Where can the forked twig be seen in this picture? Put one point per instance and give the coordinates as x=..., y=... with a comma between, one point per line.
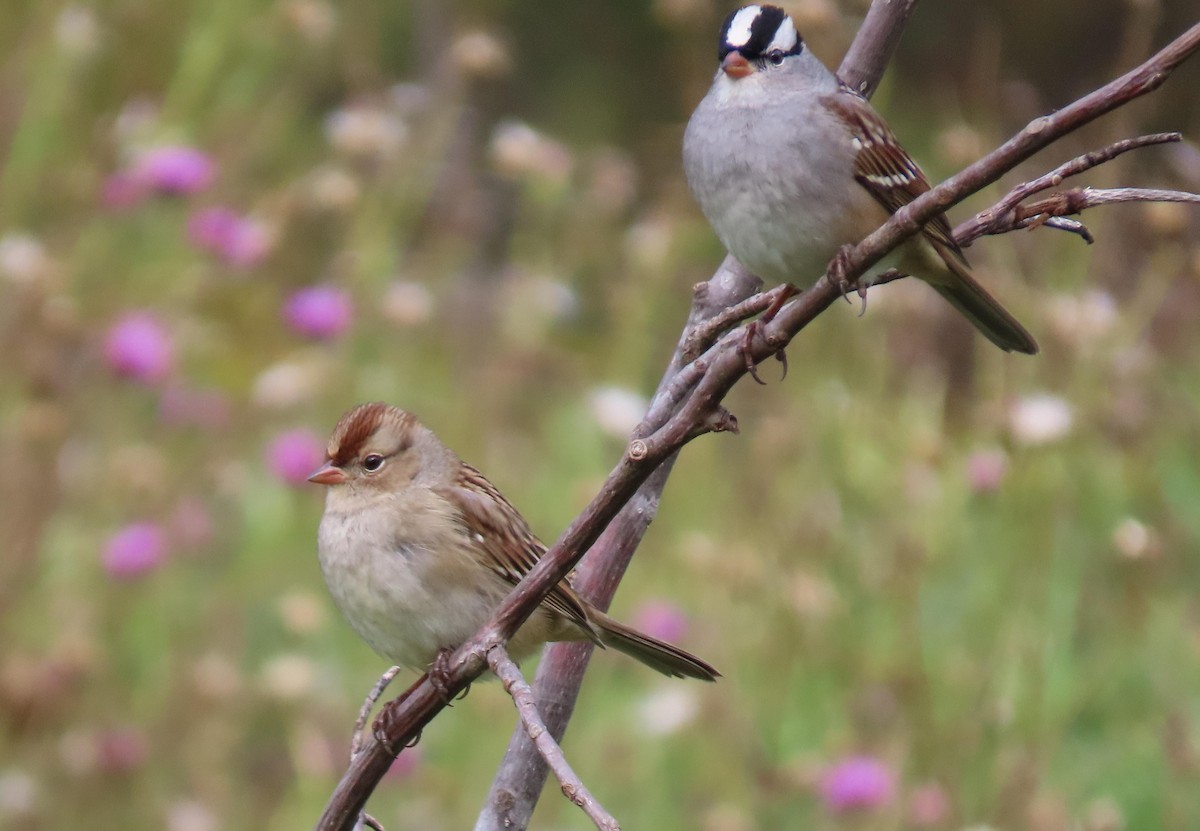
x=359, y=739
x=1008, y=214
x=523, y=698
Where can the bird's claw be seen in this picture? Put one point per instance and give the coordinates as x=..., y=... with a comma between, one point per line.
x=747, y=342
x=439, y=676
x=787, y=292
x=384, y=723
x=838, y=267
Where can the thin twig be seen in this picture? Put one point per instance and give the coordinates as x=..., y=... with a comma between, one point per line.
x=1068, y=202
x=358, y=740
x=523, y=698
x=725, y=364
x=998, y=219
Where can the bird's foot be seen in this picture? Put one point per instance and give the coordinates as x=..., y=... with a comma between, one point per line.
x=440, y=676
x=385, y=722
x=837, y=274
x=787, y=293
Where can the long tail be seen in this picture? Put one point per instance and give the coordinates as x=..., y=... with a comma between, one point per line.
x=964, y=293
x=667, y=659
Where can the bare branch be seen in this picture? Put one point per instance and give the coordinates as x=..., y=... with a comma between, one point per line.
x=522, y=696
x=724, y=364
x=876, y=41
x=1003, y=216
x=728, y=294
x=364, y=712
x=1037, y=134
x=518, y=782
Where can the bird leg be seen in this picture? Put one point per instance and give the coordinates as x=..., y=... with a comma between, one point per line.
x=789, y=291
x=439, y=675
x=383, y=723
x=837, y=274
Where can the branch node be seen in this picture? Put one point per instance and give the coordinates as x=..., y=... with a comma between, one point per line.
x=638, y=450
x=720, y=420
x=1038, y=125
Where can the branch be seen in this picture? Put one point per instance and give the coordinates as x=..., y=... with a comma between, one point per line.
x=1006, y=216
x=723, y=301
x=522, y=696
x=359, y=739
x=909, y=220
x=876, y=41
x=696, y=413
x=518, y=782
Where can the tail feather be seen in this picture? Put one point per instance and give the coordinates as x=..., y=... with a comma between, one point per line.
x=656, y=654
x=972, y=300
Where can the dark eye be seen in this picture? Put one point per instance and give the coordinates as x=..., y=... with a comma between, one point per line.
x=372, y=463
x=775, y=57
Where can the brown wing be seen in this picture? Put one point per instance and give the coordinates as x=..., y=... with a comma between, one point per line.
x=883, y=167
x=509, y=546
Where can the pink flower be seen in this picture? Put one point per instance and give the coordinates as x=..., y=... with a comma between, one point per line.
x=293, y=455
x=175, y=170
x=123, y=191
x=187, y=407
x=138, y=347
x=929, y=806
x=661, y=619
x=122, y=750
x=191, y=523
x=134, y=551
x=318, y=312
x=404, y=766
x=236, y=240
x=858, y=783
x=986, y=470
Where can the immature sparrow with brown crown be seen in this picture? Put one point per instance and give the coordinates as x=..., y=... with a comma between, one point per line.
x=418, y=549
x=789, y=165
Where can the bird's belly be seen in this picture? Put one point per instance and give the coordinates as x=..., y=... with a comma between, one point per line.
x=384, y=594
x=780, y=210
x=789, y=231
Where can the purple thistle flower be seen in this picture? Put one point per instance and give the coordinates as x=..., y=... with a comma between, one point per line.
x=661, y=619
x=294, y=455
x=236, y=240
x=123, y=191
x=181, y=406
x=175, y=170
x=858, y=783
x=138, y=347
x=929, y=806
x=122, y=750
x=986, y=470
x=134, y=551
x=318, y=312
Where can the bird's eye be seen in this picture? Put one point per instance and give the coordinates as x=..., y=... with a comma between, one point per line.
x=775, y=56
x=372, y=463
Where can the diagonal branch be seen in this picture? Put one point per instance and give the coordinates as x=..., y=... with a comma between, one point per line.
x=698, y=412
x=523, y=698
x=718, y=304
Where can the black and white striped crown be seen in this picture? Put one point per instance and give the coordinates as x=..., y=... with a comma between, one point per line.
x=757, y=31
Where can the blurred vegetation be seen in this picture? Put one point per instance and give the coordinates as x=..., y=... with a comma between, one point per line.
x=979, y=569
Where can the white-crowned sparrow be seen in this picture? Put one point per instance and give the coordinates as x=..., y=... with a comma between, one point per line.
x=418, y=549
x=789, y=164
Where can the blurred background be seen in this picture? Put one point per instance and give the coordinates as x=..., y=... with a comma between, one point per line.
x=948, y=588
